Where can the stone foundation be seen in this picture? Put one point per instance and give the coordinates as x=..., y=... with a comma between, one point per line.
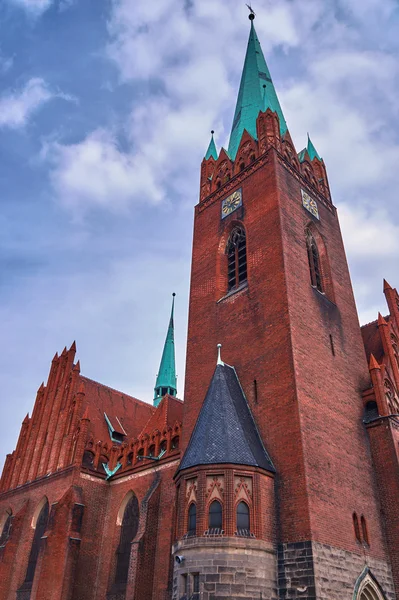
x=228, y=568
x=310, y=571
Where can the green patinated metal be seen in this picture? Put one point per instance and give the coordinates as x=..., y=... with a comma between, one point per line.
x=166, y=382
x=312, y=150
x=211, y=150
x=302, y=155
x=256, y=94
x=108, y=471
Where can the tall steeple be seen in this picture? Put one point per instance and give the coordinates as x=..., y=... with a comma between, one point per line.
x=256, y=94
x=166, y=378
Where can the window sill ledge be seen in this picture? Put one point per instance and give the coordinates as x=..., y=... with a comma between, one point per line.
x=240, y=288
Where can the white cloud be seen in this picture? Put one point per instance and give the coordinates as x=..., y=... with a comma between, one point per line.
x=34, y=7
x=16, y=107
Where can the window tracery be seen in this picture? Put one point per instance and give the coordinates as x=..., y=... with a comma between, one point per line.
x=236, y=251
x=314, y=262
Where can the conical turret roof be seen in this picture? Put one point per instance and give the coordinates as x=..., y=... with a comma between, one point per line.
x=256, y=94
x=166, y=378
x=225, y=432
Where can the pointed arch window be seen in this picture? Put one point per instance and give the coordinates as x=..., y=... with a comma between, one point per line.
x=356, y=527
x=192, y=519
x=129, y=527
x=236, y=251
x=314, y=263
x=243, y=522
x=40, y=529
x=215, y=520
x=5, y=530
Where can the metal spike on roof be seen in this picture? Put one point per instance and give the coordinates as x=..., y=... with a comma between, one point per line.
x=253, y=97
x=166, y=382
x=211, y=149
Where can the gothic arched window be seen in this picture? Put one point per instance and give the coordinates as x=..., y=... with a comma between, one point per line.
x=236, y=251
x=364, y=530
x=40, y=529
x=215, y=516
x=314, y=263
x=243, y=525
x=129, y=527
x=5, y=530
x=192, y=519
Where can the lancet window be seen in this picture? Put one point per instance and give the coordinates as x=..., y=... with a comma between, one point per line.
x=236, y=251
x=192, y=519
x=314, y=263
x=215, y=521
x=40, y=529
x=129, y=527
x=243, y=522
x=6, y=529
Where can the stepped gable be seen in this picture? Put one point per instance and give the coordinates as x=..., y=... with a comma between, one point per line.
x=226, y=432
x=132, y=413
x=169, y=411
x=372, y=340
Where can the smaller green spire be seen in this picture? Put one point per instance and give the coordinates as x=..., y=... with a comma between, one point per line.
x=312, y=150
x=166, y=382
x=211, y=149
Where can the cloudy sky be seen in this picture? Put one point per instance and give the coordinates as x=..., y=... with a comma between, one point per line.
x=105, y=113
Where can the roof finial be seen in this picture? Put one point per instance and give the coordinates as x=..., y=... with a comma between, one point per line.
x=251, y=13
x=219, y=361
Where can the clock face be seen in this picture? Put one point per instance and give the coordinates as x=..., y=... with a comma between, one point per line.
x=231, y=203
x=310, y=204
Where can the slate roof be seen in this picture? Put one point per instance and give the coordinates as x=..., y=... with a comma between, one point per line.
x=225, y=431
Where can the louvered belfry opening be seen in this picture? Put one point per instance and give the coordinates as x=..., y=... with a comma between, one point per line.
x=129, y=529
x=236, y=251
x=41, y=526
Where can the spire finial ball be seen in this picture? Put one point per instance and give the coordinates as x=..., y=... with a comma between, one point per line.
x=212, y=132
x=173, y=294
x=251, y=16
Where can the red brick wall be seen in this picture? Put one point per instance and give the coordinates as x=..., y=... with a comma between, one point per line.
x=309, y=408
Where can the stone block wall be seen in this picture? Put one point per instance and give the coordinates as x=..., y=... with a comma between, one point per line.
x=228, y=568
x=310, y=570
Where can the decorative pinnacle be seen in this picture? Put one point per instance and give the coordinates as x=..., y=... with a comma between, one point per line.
x=219, y=361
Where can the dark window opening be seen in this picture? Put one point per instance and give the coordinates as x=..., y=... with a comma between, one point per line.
x=252, y=157
x=236, y=258
x=356, y=527
x=196, y=585
x=41, y=526
x=129, y=460
x=314, y=264
x=163, y=446
x=215, y=520
x=218, y=184
x=5, y=534
x=140, y=453
x=255, y=391
x=242, y=166
x=364, y=530
x=175, y=442
x=151, y=450
x=243, y=524
x=371, y=411
x=332, y=345
x=103, y=461
x=129, y=529
x=88, y=459
x=192, y=519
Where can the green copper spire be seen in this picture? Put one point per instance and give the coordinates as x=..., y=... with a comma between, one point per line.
x=166, y=379
x=256, y=94
x=211, y=149
x=312, y=150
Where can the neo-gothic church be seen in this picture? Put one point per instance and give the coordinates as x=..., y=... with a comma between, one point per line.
x=278, y=476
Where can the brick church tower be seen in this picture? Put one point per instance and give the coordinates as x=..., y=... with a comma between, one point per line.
x=270, y=281
x=278, y=477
